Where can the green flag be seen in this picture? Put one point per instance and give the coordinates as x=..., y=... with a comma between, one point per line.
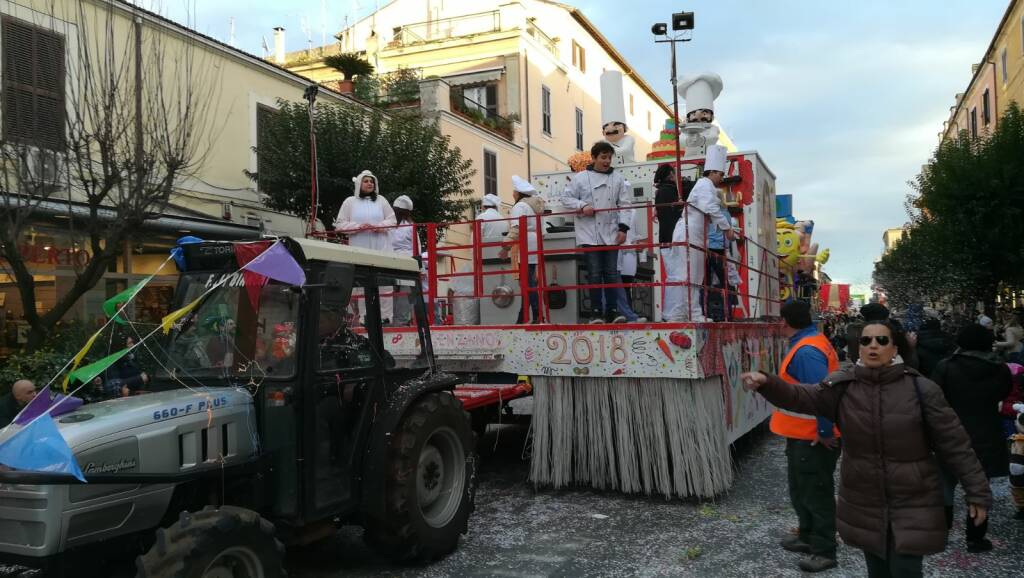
x=110, y=306
x=87, y=373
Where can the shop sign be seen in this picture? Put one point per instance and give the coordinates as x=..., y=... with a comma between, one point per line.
x=50, y=255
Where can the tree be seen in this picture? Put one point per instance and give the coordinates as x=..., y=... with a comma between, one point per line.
x=966, y=219
x=349, y=64
x=108, y=154
x=408, y=154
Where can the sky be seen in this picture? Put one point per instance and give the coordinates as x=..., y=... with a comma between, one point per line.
x=843, y=100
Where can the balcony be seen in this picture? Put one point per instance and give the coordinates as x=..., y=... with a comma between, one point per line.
x=446, y=29
x=484, y=115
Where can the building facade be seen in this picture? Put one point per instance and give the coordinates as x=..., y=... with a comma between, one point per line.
x=44, y=62
x=890, y=237
x=996, y=81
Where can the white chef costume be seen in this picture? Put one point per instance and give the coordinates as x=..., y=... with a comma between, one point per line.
x=492, y=226
x=369, y=210
x=401, y=243
x=613, y=109
x=687, y=264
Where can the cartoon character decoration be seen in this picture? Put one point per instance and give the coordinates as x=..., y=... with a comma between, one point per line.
x=797, y=254
x=613, y=118
x=700, y=91
x=284, y=340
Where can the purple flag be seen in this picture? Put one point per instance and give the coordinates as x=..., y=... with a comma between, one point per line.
x=278, y=264
x=41, y=402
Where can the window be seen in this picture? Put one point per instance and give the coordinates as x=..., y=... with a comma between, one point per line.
x=545, y=109
x=579, y=129
x=483, y=98
x=490, y=172
x=579, y=57
x=1002, y=62
x=648, y=120
x=631, y=105
x=263, y=115
x=974, y=122
x=986, y=111
x=33, y=84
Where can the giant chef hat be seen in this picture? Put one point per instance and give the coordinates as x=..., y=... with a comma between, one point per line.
x=716, y=158
x=613, y=109
x=699, y=91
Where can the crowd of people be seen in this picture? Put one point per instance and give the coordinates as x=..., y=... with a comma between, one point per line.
x=915, y=406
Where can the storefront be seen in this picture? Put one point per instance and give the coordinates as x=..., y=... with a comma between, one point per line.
x=55, y=256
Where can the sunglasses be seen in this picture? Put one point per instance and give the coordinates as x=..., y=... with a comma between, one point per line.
x=882, y=340
x=611, y=132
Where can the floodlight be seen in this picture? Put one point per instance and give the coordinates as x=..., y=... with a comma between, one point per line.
x=682, y=21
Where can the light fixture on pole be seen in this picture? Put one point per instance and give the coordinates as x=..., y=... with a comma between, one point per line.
x=681, y=21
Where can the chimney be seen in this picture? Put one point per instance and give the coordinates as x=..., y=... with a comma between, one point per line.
x=279, y=45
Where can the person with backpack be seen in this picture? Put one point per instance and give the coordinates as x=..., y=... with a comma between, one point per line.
x=897, y=427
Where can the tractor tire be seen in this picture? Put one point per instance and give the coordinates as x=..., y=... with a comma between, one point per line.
x=430, y=483
x=212, y=543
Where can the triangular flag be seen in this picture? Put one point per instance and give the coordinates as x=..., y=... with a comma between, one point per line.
x=110, y=306
x=171, y=318
x=79, y=357
x=39, y=447
x=278, y=264
x=254, y=282
x=87, y=373
x=42, y=402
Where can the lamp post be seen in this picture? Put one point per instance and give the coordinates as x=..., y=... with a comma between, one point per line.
x=681, y=22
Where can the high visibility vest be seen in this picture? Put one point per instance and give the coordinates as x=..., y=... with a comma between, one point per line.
x=795, y=425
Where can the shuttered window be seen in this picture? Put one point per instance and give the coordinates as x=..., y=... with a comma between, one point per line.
x=490, y=173
x=33, y=82
x=264, y=114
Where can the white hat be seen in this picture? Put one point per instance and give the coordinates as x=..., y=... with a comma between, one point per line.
x=613, y=109
x=700, y=91
x=523, y=186
x=403, y=202
x=491, y=201
x=985, y=321
x=716, y=158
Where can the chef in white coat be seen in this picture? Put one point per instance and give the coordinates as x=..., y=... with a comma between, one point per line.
x=492, y=225
x=687, y=264
x=529, y=205
x=402, y=243
x=364, y=218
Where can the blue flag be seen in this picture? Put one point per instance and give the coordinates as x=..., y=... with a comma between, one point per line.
x=39, y=447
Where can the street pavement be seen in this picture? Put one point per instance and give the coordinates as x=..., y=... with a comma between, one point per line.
x=520, y=531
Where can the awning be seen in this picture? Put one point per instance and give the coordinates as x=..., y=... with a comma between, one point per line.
x=475, y=77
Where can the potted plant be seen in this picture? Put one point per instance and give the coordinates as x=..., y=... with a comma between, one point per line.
x=350, y=65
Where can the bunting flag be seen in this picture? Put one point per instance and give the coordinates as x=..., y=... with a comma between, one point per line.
x=79, y=357
x=110, y=306
x=254, y=282
x=171, y=318
x=43, y=402
x=39, y=447
x=278, y=264
x=87, y=373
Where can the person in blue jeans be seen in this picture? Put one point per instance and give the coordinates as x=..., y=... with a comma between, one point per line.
x=602, y=202
x=716, y=270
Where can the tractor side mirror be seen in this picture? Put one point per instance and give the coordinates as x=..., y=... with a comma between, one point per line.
x=337, y=285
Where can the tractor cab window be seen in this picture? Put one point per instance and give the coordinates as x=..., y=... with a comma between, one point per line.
x=343, y=341
x=236, y=331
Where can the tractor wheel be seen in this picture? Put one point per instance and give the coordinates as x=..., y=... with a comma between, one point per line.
x=430, y=481
x=225, y=542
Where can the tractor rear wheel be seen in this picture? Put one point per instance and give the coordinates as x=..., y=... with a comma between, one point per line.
x=430, y=481
x=225, y=542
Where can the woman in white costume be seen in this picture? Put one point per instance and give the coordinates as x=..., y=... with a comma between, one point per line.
x=364, y=218
x=402, y=244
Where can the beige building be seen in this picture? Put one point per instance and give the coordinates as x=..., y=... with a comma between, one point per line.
x=996, y=80
x=216, y=200
x=891, y=236
x=532, y=67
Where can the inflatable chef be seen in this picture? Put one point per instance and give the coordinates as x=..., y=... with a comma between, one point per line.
x=613, y=118
x=699, y=92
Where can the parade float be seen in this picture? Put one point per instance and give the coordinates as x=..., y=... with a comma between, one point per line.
x=799, y=257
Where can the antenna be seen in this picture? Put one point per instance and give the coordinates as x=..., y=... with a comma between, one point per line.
x=266, y=47
x=304, y=23
x=231, y=30
x=323, y=23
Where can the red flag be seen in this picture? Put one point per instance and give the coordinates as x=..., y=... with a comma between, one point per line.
x=254, y=282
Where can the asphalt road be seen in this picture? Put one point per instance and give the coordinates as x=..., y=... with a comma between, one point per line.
x=520, y=531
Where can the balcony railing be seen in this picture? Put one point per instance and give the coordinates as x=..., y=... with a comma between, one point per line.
x=446, y=28
x=480, y=115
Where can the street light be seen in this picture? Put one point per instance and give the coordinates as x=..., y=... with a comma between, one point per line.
x=681, y=21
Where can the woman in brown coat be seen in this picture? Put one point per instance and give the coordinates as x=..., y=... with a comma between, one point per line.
x=896, y=426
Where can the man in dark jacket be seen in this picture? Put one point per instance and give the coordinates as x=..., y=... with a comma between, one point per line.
x=11, y=404
x=975, y=381
x=933, y=345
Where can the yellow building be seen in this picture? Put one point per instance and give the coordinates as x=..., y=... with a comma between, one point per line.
x=216, y=200
x=996, y=80
x=531, y=65
x=891, y=236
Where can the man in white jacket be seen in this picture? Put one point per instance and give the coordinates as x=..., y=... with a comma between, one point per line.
x=591, y=192
x=492, y=225
x=687, y=263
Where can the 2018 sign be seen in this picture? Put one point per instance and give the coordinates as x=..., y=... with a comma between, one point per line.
x=580, y=349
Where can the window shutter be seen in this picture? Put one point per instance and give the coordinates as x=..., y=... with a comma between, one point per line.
x=34, y=75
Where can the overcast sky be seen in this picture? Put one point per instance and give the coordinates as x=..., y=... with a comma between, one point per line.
x=844, y=100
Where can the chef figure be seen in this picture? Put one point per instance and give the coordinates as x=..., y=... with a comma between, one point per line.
x=686, y=263
x=700, y=91
x=613, y=118
x=492, y=224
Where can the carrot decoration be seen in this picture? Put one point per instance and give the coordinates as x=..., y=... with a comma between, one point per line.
x=664, y=349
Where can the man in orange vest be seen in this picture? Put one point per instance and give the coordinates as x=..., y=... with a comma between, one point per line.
x=812, y=447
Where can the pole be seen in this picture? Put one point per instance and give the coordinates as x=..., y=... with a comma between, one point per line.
x=310, y=95
x=676, y=121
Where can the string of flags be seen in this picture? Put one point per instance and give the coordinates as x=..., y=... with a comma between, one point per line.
x=37, y=445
